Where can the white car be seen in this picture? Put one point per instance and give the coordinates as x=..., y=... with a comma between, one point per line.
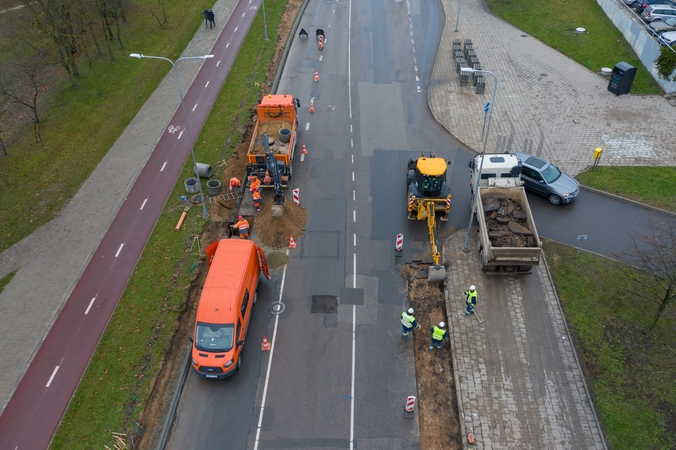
x=668, y=38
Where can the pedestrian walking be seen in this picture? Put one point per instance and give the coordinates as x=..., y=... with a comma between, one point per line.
x=242, y=227
x=257, y=199
x=205, y=13
x=235, y=183
x=438, y=335
x=471, y=300
x=408, y=322
x=211, y=18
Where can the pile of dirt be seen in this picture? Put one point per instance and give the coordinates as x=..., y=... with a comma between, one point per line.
x=437, y=404
x=506, y=222
x=275, y=231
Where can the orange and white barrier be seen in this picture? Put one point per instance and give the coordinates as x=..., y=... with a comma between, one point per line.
x=296, y=196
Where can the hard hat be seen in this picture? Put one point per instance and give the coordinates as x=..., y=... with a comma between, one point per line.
x=472, y=288
x=410, y=310
x=240, y=217
x=441, y=324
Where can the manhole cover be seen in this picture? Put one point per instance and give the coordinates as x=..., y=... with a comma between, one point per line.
x=324, y=304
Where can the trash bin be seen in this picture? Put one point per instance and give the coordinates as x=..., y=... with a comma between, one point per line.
x=621, y=78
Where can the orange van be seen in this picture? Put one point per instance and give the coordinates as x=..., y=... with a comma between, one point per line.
x=224, y=309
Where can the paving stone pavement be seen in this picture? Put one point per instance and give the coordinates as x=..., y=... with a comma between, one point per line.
x=518, y=380
x=546, y=104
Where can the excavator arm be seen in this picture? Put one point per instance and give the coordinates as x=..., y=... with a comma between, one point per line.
x=437, y=272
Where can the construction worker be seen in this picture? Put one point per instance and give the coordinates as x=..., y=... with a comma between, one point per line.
x=438, y=335
x=255, y=184
x=242, y=227
x=257, y=199
x=408, y=322
x=471, y=300
x=235, y=183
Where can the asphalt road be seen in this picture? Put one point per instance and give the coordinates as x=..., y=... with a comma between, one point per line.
x=340, y=373
x=35, y=410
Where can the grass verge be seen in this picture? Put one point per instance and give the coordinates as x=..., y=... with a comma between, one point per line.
x=118, y=380
x=4, y=281
x=631, y=374
x=554, y=23
x=654, y=186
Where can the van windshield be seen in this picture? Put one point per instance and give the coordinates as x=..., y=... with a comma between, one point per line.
x=212, y=337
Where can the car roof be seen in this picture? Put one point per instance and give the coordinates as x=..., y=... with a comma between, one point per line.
x=532, y=161
x=669, y=35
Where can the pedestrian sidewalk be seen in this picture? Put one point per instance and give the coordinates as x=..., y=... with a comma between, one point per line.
x=52, y=259
x=518, y=380
x=546, y=104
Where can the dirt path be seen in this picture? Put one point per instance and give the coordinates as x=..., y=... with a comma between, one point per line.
x=437, y=404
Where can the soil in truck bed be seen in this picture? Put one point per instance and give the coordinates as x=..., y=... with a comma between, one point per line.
x=506, y=222
x=272, y=128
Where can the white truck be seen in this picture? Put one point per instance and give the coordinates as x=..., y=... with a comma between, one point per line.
x=507, y=240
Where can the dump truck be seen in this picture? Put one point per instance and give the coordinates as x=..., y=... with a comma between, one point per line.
x=507, y=240
x=276, y=116
x=429, y=194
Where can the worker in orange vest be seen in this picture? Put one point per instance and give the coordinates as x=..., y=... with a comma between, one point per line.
x=235, y=183
x=242, y=227
x=257, y=199
x=255, y=184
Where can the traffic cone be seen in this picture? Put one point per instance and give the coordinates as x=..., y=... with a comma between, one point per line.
x=304, y=150
x=265, y=345
x=292, y=243
x=316, y=75
x=312, y=105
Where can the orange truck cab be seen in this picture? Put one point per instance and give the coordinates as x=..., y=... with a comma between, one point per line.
x=225, y=306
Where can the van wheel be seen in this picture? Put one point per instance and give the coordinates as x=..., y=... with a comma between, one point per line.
x=239, y=360
x=255, y=297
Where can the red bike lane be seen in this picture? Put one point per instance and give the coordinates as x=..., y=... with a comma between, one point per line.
x=33, y=413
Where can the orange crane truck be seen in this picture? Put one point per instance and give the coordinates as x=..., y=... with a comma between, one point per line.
x=276, y=117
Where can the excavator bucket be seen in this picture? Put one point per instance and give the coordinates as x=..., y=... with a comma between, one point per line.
x=436, y=273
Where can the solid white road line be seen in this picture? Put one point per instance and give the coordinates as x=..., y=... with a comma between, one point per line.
x=307, y=126
x=119, y=250
x=272, y=352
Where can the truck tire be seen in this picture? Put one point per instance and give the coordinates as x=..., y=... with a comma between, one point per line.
x=481, y=260
x=525, y=269
x=478, y=241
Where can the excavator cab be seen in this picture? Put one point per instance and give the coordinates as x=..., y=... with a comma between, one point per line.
x=427, y=177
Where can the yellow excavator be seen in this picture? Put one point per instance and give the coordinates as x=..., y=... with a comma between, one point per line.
x=428, y=194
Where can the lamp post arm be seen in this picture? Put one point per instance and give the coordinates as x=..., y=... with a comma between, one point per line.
x=185, y=116
x=483, y=155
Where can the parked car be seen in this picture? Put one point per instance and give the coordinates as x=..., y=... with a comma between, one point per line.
x=668, y=38
x=658, y=12
x=544, y=178
x=661, y=26
x=641, y=5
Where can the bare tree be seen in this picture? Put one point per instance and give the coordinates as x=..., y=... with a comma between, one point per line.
x=654, y=253
x=57, y=20
x=24, y=85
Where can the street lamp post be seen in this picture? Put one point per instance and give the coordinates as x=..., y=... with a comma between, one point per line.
x=185, y=117
x=483, y=152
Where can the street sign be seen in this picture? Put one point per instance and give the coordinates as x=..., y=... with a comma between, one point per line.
x=582, y=237
x=486, y=107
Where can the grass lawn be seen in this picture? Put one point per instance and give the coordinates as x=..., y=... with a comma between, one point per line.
x=655, y=186
x=554, y=23
x=632, y=375
x=116, y=385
